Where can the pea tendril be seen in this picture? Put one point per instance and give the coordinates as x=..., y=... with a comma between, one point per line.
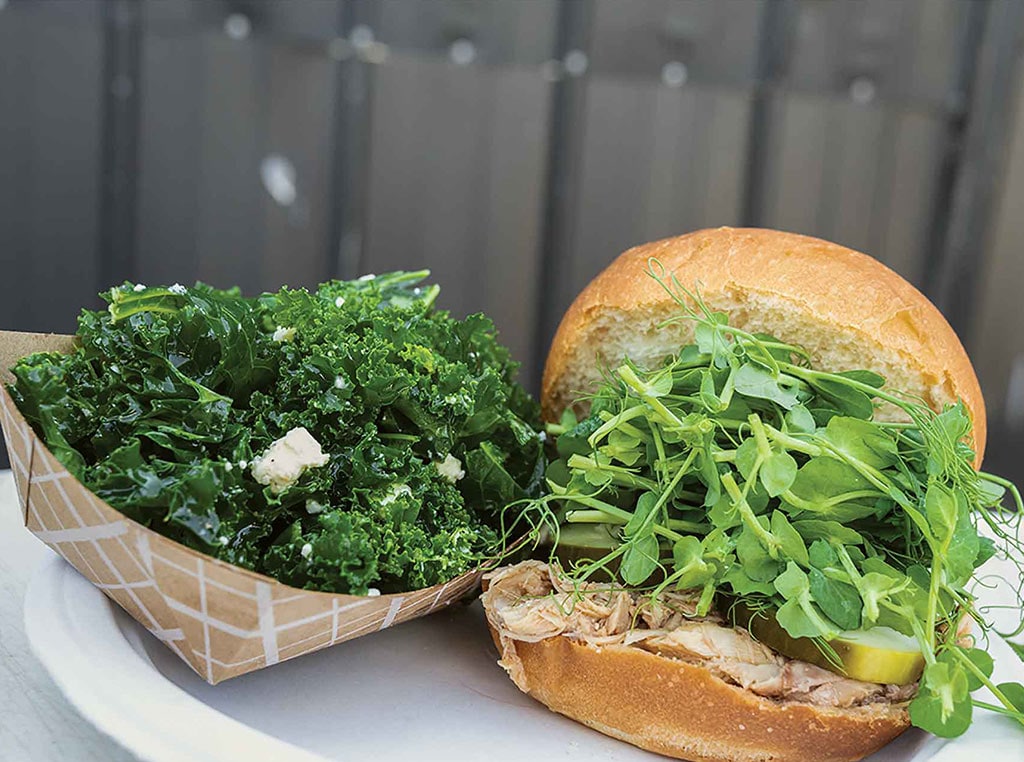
x=737, y=469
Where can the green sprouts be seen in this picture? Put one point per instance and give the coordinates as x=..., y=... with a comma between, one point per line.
x=737, y=470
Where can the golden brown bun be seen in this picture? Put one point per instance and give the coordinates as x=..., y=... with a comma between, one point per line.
x=847, y=310
x=681, y=710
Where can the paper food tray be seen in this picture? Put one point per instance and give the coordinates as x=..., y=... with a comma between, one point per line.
x=220, y=619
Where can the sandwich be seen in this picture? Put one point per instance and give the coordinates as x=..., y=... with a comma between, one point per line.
x=765, y=517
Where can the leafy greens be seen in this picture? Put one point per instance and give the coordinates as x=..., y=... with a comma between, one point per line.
x=173, y=392
x=739, y=470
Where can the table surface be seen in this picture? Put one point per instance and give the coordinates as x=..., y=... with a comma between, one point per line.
x=37, y=724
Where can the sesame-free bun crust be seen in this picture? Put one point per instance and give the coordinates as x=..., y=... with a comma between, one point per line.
x=681, y=710
x=846, y=309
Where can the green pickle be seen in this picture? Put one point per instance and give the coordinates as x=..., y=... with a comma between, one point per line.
x=586, y=542
x=878, y=655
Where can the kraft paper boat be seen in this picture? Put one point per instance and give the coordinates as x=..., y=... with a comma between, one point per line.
x=220, y=619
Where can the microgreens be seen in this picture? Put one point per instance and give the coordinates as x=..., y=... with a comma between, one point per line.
x=737, y=469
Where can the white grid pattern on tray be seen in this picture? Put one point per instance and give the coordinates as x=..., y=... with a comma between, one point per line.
x=92, y=534
x=173, y=591
x=18, y=439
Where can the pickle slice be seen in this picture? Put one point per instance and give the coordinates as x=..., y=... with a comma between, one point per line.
x=586, y=542
x=878, y=655
x=582, y=543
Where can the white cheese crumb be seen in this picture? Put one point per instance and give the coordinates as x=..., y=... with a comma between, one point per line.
x=313, y=507
x=229, y=466
x=450, y=468
x=372, y=592
x=339, y=301
x=340, y=382
x=287, y=459
x=542, y=436
x=243, y=464
x=396, y=491
x=178, y=289
x=224, y=540
x=283, y=334
x=368, y=276
x=139, y=287
x=307, y=550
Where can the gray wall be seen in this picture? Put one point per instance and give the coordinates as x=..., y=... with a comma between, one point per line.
x=512, y=147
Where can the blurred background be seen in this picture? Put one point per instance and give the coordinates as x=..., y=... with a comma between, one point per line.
x=514, y=147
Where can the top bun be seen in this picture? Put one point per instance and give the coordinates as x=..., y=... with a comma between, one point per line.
x=846, y=309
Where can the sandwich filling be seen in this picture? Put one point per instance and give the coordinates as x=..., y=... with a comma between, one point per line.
x=533, y=601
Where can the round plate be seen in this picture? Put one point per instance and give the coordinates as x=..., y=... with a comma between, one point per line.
x=429, y=689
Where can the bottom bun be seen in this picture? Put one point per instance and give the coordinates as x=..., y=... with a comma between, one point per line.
x=681, y=710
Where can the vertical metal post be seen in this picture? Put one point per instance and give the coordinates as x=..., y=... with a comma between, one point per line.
x=990, y=63
x=352, y=136
x=958, y=102
x=773, y=43
x=568, y=98
x=120, y=138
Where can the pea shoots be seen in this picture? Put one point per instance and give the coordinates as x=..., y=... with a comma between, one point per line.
x=738, y=469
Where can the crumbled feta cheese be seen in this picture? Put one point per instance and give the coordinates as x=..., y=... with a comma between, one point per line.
x=368, y=276
x=243, y=464
x=307, y=550
x=372, y=592
x=139, y=287
x=229, y=466
x=340, y=382
x=542, y=436
x=313, y=507
x=224, y=540
x=394, y=492
x=339, y=301
x=287, y=459
x=178, y=289
x=283, y=334
x=450, y=468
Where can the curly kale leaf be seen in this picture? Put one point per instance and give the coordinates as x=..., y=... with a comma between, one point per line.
x=173, y=392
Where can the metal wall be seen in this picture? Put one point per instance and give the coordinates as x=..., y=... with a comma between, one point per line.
x=512, y=147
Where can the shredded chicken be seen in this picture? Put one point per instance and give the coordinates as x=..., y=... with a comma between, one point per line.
x=531, y=602
x=762, y=679
x=899, y=693
x=709, y=641
x=806, y=682
x=533, y=605
x=668, y=611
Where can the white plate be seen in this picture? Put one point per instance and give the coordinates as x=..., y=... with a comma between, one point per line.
x=426, y=690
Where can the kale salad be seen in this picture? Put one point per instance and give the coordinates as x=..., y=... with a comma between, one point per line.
x=353, y=440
